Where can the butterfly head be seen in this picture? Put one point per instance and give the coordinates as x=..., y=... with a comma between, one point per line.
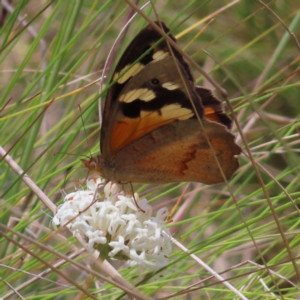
x=93, y=164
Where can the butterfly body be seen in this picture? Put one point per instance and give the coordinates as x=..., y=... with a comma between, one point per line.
x=158, y=126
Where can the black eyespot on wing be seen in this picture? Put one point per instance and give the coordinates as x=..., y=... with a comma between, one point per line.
x=208, y=168
x=131, y=110
x=155, y=81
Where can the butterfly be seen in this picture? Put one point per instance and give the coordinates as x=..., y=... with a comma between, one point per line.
x=158, y=125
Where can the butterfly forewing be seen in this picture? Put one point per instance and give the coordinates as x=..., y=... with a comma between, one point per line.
x=157, y=96
x=150, y=45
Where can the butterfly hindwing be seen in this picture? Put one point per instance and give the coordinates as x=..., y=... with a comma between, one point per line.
x=177, y=152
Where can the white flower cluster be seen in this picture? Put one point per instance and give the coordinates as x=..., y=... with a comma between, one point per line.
x=111, y=222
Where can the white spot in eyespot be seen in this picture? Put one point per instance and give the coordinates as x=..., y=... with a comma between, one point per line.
x=170, y=86
x=208, y=168
x=141, y=94
x=130, y=71
x=160, y=55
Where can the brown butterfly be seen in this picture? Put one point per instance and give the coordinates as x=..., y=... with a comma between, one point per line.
x=158, y=126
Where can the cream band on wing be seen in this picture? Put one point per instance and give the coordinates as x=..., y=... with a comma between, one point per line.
x=160, y=54
x=129, y=71
x=138, y=94
x=170, y=86
x=175, y=112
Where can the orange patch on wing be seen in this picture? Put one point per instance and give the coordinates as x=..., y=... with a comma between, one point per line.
x=211, y=115
x=122, y=133
x=127, y=130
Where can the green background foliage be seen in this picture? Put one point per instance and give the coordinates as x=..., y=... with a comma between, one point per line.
x=52, y=57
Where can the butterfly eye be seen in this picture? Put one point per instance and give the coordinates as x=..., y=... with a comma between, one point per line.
x=93, y=165
x=155, y=81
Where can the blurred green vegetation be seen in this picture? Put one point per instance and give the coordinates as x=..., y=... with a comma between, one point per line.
x=52, y=57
